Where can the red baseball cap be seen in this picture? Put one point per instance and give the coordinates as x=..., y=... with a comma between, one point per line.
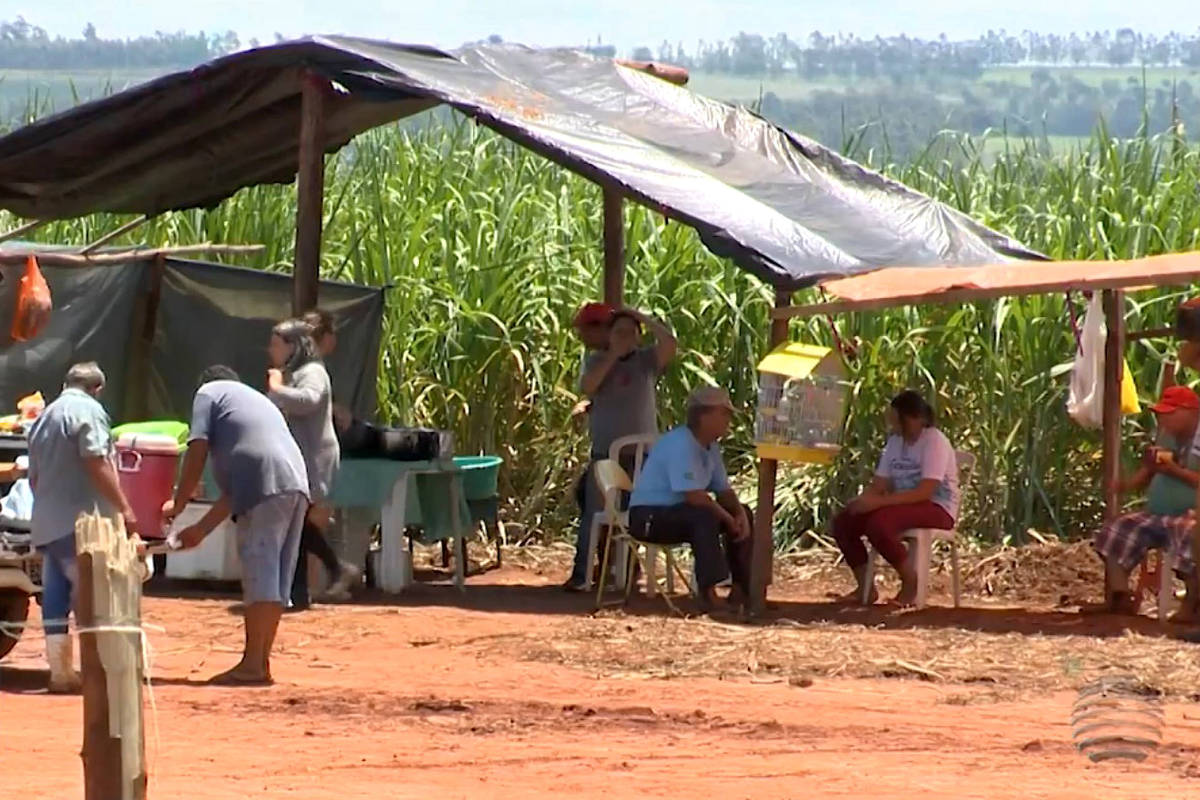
x=1176, y=398
x=594, y=314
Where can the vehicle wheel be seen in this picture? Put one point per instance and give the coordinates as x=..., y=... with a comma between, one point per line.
x=14, y=609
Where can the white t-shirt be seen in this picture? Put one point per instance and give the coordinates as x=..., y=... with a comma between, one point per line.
x=931, y=457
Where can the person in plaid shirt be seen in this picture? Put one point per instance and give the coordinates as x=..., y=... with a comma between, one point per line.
x=1169, y=475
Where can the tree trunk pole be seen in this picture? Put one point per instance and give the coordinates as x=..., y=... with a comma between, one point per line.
x=113, y=741
x=614, y=248
x=310, y=192
x=762, y=567
x=1114, y=364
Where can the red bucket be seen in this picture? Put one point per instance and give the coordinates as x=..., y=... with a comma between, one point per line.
x=146, y=467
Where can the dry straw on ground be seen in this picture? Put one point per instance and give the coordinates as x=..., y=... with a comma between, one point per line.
x=1014, y=637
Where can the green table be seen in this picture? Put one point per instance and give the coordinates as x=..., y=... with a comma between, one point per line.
x=400, y=495
x=369, y=484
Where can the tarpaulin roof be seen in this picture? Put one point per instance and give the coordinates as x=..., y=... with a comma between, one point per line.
x=778, y=204
x=905, y=286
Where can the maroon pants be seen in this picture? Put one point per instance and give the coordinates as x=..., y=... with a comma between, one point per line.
x=882, y=528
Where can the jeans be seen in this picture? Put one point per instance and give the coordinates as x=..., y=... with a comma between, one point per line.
x=702, y=529
x=60, y=575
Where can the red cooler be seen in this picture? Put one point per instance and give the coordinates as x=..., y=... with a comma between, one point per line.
x=147, y=466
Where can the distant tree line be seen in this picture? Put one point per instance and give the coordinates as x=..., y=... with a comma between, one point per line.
x=901, y=121
x=900, y=57
x=26, y=46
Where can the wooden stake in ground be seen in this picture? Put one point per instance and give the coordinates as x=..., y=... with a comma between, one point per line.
x=108, y=613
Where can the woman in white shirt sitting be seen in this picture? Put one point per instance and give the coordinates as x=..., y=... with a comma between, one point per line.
x=915, y=486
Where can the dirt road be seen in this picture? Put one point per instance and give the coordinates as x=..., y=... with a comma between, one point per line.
x=422, y=700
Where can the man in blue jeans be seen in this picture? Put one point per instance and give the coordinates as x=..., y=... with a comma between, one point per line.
x=70, y=473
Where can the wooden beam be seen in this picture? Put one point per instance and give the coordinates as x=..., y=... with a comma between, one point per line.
x=310, y=193
x=1150, y=333
x=1114, y=360
x=762, y=567
x=22, y=229
x=52, y=258
x=972, y=295
x=667, y=72
x=614, y=248
x=108, y=237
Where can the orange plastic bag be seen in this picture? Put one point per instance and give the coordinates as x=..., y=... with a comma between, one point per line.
x=33, y=303
x=31, y=407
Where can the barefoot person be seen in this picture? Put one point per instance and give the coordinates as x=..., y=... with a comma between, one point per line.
x=915, y=486
x=1168, y=474
x=620, y=382
x=70, y=474
x=299, y=384
x=264, y=484
x=683, y=496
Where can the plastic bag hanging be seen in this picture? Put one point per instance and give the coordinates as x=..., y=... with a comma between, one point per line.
x=33, y=303
x=1085, y=398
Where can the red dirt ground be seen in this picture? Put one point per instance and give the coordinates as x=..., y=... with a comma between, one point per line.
x=410, y=700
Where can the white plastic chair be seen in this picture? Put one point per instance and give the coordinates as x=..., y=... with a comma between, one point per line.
x=1168, y=561
x=613, y=481
x=641, y=445
x=921, y=551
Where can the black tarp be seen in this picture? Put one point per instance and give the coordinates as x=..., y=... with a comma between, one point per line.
x=207, y=313
x=778, y=204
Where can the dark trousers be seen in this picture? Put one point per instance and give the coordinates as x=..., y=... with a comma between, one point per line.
x=312, y=541
x=883, y=528
x=702, y=529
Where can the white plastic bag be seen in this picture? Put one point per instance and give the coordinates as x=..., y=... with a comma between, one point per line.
x=1085, y=399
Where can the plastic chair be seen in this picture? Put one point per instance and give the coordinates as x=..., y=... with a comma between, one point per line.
x=613, y=481
x=641, y=445
x=1160, y=581
x=921, y=551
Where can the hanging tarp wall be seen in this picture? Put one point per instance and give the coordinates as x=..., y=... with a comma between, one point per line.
x=205, y=314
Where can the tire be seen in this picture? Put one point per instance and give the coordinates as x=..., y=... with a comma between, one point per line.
x=14, y=609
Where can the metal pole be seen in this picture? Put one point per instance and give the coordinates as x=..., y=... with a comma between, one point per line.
x=310, y=180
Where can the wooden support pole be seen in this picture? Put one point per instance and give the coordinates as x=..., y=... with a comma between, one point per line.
x=108, y=595
x=310, y=193
x=1114, y=360
x=762, y=567
x=614, y=248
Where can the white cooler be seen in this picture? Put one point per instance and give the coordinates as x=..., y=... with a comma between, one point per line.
x=216, y=558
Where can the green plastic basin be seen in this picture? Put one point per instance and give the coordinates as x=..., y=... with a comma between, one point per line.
x=480, y=475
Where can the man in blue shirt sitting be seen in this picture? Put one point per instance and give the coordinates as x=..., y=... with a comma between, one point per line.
x=673, y=499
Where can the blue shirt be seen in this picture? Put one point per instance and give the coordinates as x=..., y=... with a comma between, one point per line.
x=678, y=464
x=252, y=452
x=73, y=428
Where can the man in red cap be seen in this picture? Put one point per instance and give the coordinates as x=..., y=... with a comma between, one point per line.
x=619, y=377
x=1169, y=474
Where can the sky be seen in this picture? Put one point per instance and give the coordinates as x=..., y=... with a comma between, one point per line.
x=625, y=23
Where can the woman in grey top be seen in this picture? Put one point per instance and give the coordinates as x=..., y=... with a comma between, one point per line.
x=299, y=384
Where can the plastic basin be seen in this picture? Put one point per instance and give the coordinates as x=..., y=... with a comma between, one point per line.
x=479, y=475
